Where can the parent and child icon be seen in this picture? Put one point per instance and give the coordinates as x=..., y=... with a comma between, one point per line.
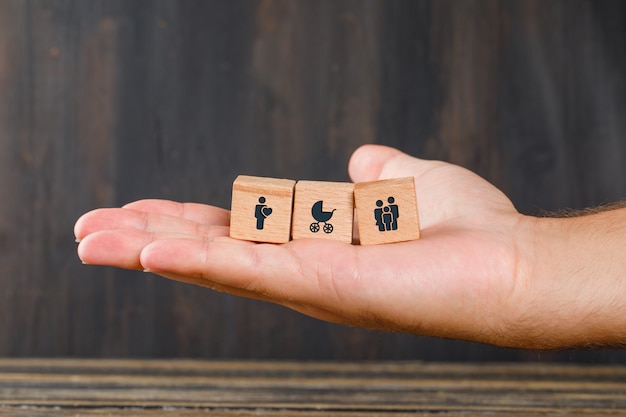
x=386, y=217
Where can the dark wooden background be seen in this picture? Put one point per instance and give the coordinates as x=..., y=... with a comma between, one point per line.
x=108, y=101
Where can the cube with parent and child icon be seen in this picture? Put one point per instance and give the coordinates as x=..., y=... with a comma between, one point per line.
x=277, y=210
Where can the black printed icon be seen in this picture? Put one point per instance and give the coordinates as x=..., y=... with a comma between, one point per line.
x=261, y=212
x=321, y=217
x=386, y=217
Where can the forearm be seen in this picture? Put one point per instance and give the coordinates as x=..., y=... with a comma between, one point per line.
x=576, y=274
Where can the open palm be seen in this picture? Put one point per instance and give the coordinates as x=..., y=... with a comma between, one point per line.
x=460, y=280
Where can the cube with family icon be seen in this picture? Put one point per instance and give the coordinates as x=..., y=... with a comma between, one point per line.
x=276, y=210
x=261, y=209
x=386, y=211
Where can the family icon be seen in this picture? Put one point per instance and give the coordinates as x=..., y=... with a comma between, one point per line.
x=386, y=217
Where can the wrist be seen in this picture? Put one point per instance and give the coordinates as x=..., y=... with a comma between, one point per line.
x=572, y=280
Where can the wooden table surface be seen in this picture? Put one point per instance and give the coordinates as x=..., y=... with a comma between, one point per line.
x=53, y=387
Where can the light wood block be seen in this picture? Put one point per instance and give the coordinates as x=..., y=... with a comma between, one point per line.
x=386, y=211
x=324, y=210
x=261, y=209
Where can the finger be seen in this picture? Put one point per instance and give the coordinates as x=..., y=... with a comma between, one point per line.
x=111, y=248
x=282, y=272
x=120, y=219
x=429, y=287
x=374, y=162
x=324, y=277
x=121, y=248
x=200, y=213
x=368, y=162
x=445, y=192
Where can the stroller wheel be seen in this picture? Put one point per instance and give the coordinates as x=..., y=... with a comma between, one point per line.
x=315, y=227
x=328, y=228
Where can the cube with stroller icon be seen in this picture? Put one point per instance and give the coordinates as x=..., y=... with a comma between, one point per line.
x=323, y=209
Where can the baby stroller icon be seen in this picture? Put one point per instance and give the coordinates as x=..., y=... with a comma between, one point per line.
x=321, y=217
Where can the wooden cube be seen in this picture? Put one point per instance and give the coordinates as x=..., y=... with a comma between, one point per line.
x=386, y=211
x=323, y=210
x=261, y=209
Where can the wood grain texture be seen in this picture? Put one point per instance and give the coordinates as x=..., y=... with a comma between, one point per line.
x=71, y=387
x=386, y=211
x=335, y=217
x=107, y=101
x=261, y=209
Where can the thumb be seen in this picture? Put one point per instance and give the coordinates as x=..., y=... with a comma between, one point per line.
x=374, y=162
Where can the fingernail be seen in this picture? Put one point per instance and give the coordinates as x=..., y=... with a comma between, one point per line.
x=77, y=240
x=147, y=270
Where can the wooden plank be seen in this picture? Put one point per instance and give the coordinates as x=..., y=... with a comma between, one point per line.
x=107, y=101
x=395, y=369
x=309, y=388
x=82, y=412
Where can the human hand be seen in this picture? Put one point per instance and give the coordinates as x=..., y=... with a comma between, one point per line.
x=472, y=275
